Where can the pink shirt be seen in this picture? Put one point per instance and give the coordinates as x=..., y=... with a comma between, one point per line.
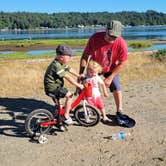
x=108, y=55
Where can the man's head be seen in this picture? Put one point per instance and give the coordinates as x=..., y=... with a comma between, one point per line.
x=114, y=28
x=63, y=53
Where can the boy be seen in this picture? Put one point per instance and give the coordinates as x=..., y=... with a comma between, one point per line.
x=54, y=79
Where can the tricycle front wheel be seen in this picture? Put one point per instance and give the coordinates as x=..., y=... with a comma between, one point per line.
x=91, y=119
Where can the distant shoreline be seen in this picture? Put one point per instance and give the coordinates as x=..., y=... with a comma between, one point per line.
x=14, y=47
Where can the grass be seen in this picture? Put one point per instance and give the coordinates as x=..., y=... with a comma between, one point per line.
x=139, y=44
x=142, y=67
x=160, y=55
x=25, y=77
x=21, y=76
x=71, y=42
x=27, y=43
x=79, y=42
x=38, y=43
x=23, y=55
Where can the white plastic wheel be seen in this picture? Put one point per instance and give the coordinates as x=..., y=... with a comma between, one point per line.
x=62, y=128
x=42, y=139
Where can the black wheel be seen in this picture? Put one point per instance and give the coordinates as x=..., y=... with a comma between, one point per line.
x=34, y=119
x=92, y=118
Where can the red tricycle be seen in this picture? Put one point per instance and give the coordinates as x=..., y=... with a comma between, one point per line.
x=41, y=121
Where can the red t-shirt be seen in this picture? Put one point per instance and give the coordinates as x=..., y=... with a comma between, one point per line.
x=108, y=55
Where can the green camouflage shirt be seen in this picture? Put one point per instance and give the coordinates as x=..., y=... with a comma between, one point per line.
x=54, y=76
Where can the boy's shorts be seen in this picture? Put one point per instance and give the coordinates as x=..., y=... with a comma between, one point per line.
x=115, y=84
x=58, y=93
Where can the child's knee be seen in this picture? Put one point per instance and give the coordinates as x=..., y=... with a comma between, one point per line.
x=69, y=95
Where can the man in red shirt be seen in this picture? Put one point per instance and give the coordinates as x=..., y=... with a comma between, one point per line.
x=109, y=49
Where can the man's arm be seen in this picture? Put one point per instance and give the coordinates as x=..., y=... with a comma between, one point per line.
x=83, y=63
x=86, y=55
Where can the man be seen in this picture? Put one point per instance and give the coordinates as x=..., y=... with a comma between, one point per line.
x=109, y=49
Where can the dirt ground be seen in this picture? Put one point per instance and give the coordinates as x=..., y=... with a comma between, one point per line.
x=80, y=146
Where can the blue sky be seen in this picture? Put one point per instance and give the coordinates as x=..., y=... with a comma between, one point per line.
x=54, y=6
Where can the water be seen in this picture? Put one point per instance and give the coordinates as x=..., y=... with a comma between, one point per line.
x=46, y=34
x=145, y=33
x=6, y=52
x=38, y=52
x=129, y=33
x=156, y=47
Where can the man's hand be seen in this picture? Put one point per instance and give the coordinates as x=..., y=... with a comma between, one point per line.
x=108, y=81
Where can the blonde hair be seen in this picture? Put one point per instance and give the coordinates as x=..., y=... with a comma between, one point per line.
x=93, y=65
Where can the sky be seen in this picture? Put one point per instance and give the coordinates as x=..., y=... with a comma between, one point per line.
x=56, y=6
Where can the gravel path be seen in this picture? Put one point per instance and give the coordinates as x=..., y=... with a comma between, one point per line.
x=80, y=146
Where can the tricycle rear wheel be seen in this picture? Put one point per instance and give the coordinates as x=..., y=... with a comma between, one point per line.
x=33, y=122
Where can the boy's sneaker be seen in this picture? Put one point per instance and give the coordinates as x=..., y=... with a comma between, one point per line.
x=69, y=121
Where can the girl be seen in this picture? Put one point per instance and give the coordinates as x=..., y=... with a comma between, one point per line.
x=97, y=83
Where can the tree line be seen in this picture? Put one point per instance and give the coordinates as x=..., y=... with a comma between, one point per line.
x=28, y=20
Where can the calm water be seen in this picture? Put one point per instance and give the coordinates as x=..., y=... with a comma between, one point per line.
x=129, y=33
x=37, y=52
x=145, y=33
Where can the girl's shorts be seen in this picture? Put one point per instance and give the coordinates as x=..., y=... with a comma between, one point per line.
x=97, y=102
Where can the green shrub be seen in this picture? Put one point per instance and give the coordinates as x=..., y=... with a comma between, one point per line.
x=160, y=55
x=139, y=44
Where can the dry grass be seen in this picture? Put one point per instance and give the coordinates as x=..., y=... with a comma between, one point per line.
x=21, y=77
x=25, y=77
x=142, y=66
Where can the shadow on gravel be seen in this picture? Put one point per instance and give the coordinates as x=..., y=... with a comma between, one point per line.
x=13, y=112
x=112, y=121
